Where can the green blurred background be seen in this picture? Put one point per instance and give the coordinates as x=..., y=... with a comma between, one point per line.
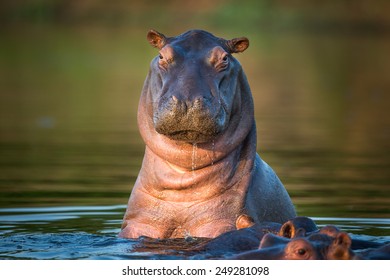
x=71, y=72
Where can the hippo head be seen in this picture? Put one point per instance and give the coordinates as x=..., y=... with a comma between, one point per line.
x=280, y=248
x=193, y=84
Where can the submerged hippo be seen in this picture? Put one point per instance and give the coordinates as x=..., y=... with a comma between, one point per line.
x=297, y=239
x=200, y=169
x=232, y=242
x=320, y=245
x=249, y=235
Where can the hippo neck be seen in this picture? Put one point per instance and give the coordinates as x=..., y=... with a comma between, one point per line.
x=204, y=168
x=165, y=180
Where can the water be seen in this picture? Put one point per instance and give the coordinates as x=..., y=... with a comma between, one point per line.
x=90, y=232
x=70, y=150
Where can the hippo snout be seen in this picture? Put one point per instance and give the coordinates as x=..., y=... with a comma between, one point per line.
x=193, y=120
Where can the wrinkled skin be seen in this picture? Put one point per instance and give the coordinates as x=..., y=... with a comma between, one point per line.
x=200, y=169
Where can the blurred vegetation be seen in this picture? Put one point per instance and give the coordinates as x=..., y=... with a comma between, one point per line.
x=331, y=15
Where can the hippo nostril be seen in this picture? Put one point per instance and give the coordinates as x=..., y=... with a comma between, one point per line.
x=178, y=105
x=197, y=102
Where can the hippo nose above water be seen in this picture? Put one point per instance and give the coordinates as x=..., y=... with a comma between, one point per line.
x=197, y=119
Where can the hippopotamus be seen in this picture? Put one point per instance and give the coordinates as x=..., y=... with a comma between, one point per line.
x=200, y=169
x=320, y=245
x=296, y=227
x=297, y=239
x=300, y=239
x=248, y=237
x=381, y=253
x=245, y=238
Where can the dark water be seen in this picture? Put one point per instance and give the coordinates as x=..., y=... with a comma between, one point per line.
x=70, y=149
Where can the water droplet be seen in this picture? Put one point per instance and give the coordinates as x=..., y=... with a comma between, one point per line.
x=194, y=149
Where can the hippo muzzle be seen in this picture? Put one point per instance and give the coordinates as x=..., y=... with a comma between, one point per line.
x=195, y=121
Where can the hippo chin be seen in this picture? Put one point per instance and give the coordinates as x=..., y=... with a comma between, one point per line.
x=200, y=169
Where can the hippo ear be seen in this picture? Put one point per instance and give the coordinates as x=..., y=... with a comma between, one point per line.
x=237, y=45
x=244, y=221
x=341, y=247
x=343, y=239
x=156, y=39
x=287, y=230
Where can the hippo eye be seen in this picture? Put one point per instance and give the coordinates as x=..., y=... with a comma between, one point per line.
x=163, y=62
x=225, y=60
x=222, y=63
x=301, y=252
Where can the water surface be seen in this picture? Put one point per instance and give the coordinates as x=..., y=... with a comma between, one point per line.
x=90, y=232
